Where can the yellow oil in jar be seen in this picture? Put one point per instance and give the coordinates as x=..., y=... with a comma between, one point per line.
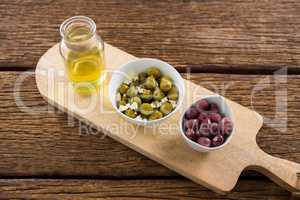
x=85, y=66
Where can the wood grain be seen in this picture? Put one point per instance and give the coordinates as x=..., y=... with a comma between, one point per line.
x=229, y=36
x=43, y=144
x=133, y=189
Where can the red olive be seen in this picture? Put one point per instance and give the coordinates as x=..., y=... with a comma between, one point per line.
x=202, y=105
x=191, y=124
x=204, y=141
x=215, y=117
x=206, y=120
x=226, y=120
x=203, y=116
x=214, y=108
x=191, y=113
x=205, y=125
x=214, y=129
x=204, y=129
x=217, y=140
x=191, y=134
x=226, y=126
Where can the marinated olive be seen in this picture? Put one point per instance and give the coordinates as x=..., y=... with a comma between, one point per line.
x=173, y=93
x=215, y=117
x=124, y=98
x=203, y=117
x=204, y=129
x=123, y=88
x=214, y=129
x=142, y=76
x=202, y=105
x=166, y=108
x=191, y=113
x=217, y=140
x=192, y=124
x=136, y=99
x=146, y=109
x=226, y=120
x=144, y=116
x=158, y=94
x=131, y=113
x=165, y=84
x=226, y=126
x=132, y=91
x=135, y=81
x=146, y=95
x=153, y=71
x=191, y=134
x=206, y=120
x=156, y=115
x=150, y=82
x=214, y=108
x=121, y=102
x=204, y=141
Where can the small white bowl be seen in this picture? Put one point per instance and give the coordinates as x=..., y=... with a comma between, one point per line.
x=224, y=109
x=131, y=69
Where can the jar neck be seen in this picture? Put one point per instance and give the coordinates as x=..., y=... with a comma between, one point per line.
x=79, y=33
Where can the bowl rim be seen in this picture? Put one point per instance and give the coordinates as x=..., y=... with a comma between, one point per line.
x=142, y=121
x=201, y=146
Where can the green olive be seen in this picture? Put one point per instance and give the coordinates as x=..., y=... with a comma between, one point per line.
x=132, y=91
x=131, y=113
x=144, y=116
x=166, y=108
x=121, y=102
x=165, y=84
x=158, y=94
x=173, y=93
x=146, y=109
x=136, y=99
x=146, y=95
x=142, y=77
x=124, y=98
x=123, y=88
x=154, y=71
x=150, y=82
x=135, y=81
x=156, y=115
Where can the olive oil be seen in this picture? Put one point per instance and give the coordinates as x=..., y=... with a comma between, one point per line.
x=85, y=69
x=83, y=53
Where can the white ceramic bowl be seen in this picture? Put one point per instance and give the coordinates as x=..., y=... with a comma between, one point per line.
x=140, y=65
x=224, y=109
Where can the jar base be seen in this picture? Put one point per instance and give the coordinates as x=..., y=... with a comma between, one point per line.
x=87, y=88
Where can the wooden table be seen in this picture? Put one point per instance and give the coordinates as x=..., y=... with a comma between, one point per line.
x=231, y=47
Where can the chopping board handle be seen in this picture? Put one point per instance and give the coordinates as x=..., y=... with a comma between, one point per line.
x=283, y=172
x=297, y=193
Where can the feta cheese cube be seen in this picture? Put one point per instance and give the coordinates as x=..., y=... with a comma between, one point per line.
x=123, y=108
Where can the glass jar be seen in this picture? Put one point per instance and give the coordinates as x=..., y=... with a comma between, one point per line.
x=83, y=53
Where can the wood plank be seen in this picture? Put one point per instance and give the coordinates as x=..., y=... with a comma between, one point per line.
x=44, y=144
x=133, y=189
x=239, y=36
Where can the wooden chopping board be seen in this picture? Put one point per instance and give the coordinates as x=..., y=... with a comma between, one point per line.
x=218, y=170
